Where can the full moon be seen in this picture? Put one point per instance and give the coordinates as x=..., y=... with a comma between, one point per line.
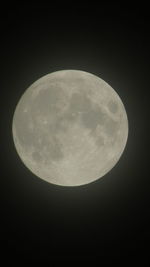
x=70, y=128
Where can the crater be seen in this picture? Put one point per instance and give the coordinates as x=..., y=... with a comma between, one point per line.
x=42, y=141
x=113, y=106
x=25, y=133
x=111, y=127
x=93, y=117
x=54, y=150
x=59, y=125
x=70, y=116
x=79, y=103
x=47, y=101
x=36, y=156
x=99, y=141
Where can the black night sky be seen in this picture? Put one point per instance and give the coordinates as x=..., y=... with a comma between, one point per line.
x=108, y=219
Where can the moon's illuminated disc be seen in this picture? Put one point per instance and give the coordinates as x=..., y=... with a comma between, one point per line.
x=70, y=128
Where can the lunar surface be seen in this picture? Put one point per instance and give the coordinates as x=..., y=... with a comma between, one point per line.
x=70, y=128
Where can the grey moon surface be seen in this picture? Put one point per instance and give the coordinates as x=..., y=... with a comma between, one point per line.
x=70, y=128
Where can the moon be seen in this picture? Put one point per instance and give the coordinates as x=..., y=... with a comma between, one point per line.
x=70, y=128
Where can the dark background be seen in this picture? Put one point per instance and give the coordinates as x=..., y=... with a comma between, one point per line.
x=109, y=218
